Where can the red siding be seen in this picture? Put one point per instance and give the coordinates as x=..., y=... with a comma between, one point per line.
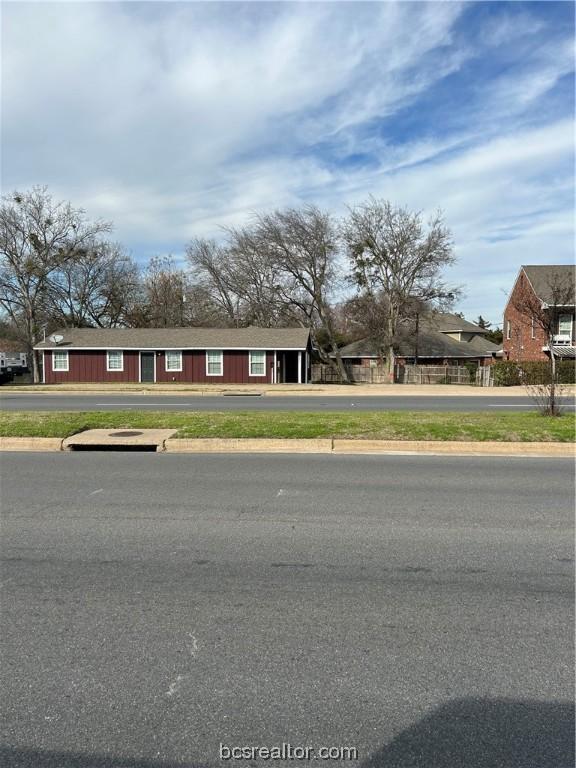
x=90, y=366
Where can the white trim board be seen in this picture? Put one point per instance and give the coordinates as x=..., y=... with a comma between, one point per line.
x=172, y=349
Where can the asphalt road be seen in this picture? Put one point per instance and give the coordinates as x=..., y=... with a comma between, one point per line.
x=417, y=609
x=155, y=402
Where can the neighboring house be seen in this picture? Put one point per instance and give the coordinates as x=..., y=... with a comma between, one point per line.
x=524, y=338
x=436, y=339
x=198, y=355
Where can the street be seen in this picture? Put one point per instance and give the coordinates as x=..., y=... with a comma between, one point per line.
x=159, y=402
x=417, y=609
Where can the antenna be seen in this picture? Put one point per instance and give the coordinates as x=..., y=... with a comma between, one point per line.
x=56, y=338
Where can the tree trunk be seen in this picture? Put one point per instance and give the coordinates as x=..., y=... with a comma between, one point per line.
x=391, y=333
x=390, y=359
x=552, y=401
x=340, y=364
x=36, y=366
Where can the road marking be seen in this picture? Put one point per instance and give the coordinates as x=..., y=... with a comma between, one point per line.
x=174, y=687
x=123, y=405
x=93, y=493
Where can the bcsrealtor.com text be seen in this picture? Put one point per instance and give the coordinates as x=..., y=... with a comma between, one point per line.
x=287, y=751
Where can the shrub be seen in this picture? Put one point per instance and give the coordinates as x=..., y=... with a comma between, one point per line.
x=508, y=373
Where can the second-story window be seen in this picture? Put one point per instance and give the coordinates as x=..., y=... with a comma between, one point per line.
x=565, y=326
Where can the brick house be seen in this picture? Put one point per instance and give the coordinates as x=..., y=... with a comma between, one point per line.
x=524, y=338
x=441, y=338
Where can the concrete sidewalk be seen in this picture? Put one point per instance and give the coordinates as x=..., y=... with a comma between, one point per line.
x=276, y=390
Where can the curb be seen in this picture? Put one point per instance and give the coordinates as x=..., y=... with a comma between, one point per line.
x=454, y=448
x=31, y=443
x=343, y=447
x=248, y=445
x=324, y=446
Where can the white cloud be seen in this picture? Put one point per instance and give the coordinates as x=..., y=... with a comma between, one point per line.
x=175, y=119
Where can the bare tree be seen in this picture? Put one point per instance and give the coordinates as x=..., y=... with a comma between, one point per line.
x=258, y=280
x=98, y=287
x=165, y=289
x=303, y=244
x=392, y=252
x=37, y=238
x=544, y=314
x=212, y=271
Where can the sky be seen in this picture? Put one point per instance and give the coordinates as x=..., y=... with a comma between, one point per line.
x=175, y=119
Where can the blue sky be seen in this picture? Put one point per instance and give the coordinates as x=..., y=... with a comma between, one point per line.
x=175, y=119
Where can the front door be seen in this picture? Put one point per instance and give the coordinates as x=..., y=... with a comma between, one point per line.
x=147, y=366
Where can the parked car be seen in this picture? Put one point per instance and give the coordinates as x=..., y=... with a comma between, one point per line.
x=12, y=364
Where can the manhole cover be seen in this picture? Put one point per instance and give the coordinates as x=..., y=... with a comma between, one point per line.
x=124, y=434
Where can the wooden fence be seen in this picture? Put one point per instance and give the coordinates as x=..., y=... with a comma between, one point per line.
x=360, y=374
x=442, y=374
x=405, y=374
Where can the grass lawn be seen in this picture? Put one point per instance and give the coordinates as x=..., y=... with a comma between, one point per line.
x=399, y=425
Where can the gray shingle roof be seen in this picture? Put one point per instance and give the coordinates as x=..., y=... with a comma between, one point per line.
x=180, y=338
x=544, y=277
x=446, y=321
x=432, y=342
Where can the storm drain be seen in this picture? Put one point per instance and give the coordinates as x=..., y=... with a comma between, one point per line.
x=145, y=440
x=242, y=394
x=115, y=447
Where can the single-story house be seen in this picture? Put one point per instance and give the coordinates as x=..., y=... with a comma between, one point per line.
x=440, y=338
x=199, y=355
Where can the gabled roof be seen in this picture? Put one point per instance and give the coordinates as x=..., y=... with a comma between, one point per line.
x=180, y=338
x=430, y=344
x=432, y=341
x=448, y=322
x=544, y=277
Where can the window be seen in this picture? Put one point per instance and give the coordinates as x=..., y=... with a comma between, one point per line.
x=508, y=329
x=59, y=360
x=565, y=325
x=173, y=360
x=214, y=362
x=533, y=329
x=114, y=360
x=257, y=363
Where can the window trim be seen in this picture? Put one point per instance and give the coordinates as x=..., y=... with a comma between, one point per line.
x=570, y=318
x=220, y=352
x=173, y=352
x=116, y=352
x=60, y=352
x=257, y=352
x=508, y=330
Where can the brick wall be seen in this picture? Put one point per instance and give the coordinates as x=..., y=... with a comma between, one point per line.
x=523, y=340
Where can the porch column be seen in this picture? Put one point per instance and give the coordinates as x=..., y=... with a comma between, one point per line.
x=275, y=372
x=299, y=367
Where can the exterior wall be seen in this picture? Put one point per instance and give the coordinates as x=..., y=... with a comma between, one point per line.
x=235, y=368
x=90, y=366
x=521, y=345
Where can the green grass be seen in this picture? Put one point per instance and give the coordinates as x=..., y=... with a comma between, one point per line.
x=399, y=425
